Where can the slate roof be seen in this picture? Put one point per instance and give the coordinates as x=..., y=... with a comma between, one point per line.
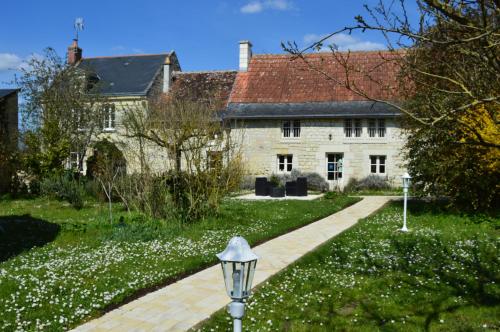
x=6, y=92
x=283, y=85
x=128, y=75
x=335, y=109
x=213, y=86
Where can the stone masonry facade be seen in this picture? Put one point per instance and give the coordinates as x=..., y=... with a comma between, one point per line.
x=263, y=142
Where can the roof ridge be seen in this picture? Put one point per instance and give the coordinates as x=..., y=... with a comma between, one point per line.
x=206, y=71
x=124, y=56
x=325, y=53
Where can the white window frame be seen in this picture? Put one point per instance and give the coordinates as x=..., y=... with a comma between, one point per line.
x=291, y=129
x=378, y=163
x=74, y=159
x=334, y=167
x=109, y=118
x=284, y=163
x=377, y=128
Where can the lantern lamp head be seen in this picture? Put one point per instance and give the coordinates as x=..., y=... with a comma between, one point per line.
x=406, y=180
x=238, y=267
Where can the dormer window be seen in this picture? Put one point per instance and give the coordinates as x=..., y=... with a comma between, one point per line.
x=291, y=128
x=109, y=118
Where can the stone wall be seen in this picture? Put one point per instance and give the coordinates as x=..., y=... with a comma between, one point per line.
x=155, y=157
x=263, y=141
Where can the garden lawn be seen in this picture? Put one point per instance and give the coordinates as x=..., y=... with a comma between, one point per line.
x=89, y=265
x=441, y=276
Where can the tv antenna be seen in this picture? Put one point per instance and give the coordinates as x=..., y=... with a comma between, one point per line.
x=78, y=25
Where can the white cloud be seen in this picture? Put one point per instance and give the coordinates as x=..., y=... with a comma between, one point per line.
x=9, y=61
x=257, y=6
x=278, y=4
x=344, y=42
x=252, y=7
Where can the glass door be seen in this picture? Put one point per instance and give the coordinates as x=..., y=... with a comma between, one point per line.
x=334, y=166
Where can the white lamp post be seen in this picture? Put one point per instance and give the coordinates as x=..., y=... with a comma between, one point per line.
x=238, y=267
x=406, y=184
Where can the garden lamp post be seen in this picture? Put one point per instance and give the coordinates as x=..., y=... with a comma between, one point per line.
x=406, y=183
x=238, y=267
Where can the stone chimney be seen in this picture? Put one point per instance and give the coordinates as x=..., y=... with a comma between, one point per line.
x=245, y=54
x=167, y=74
x=74, y=53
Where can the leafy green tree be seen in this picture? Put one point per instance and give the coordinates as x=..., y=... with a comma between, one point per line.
x=62, y=112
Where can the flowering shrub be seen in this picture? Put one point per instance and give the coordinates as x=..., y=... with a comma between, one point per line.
x=444, y=273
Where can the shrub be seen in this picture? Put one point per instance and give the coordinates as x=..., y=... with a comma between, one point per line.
x=63, y=187
x=247, y=182
x=276, y=180
x=316, y=182
x=93, y=189
x=371, y=182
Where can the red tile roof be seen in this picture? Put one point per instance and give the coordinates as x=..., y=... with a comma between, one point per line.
x=288, y=79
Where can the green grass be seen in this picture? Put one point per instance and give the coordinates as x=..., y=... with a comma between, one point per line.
x=83, y=265
x=443, y=275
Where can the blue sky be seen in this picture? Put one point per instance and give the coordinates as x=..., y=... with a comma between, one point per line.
x=203, y=33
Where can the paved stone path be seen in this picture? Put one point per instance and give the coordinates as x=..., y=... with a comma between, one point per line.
x=182, y=305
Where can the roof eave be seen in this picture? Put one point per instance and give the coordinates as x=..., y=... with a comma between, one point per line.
x=311, y=116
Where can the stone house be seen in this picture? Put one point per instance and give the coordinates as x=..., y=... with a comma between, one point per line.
x=294, y=118
x=287, y=115
x=8, y=133
x=128, y=82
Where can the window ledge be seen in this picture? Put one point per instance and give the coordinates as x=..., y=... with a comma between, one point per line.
x=365, y=140
x=290, y=139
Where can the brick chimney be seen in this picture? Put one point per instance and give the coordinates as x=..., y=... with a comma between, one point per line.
x=74, y=53
x=245, y=54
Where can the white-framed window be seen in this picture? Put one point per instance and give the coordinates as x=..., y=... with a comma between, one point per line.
x=358, y=128
x=285, y=162
x=334, y=166
x=376, y=127
x=348, y=127
x=74, y=161
x=377, y=164
x=109, y=117
x=291, y=128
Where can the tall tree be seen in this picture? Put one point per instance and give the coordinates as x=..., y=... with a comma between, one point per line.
x=204, y=159
x=62, y=112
